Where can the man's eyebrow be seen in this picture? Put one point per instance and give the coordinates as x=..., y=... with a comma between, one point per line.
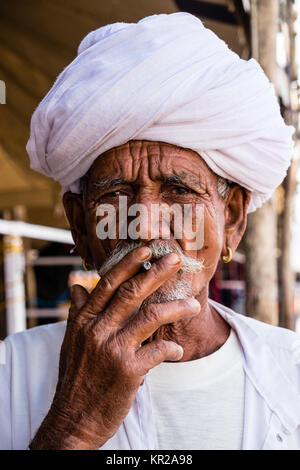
x=185, y=179
x=107, y=183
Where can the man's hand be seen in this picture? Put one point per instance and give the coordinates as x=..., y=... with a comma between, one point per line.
x=102, y=362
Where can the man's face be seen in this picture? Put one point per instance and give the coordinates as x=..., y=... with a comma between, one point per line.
x=152, y=173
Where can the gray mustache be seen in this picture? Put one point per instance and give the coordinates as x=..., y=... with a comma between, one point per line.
x=159, y=249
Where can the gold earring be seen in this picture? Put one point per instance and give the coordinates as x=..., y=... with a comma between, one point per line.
x=84, y=265
x=227, y=258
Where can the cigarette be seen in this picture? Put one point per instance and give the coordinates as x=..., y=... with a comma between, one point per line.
x=147, y=265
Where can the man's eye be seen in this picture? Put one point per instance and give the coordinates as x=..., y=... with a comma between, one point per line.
x=181, y=190
x=113, y=194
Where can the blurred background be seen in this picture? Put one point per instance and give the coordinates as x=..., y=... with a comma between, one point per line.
x=38, y=38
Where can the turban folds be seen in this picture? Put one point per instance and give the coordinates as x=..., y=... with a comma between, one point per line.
x=166, y=78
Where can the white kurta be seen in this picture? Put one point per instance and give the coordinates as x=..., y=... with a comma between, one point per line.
x=271, y=361
x=199, y=404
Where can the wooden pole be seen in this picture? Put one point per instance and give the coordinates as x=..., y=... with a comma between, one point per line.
x=261, y=234
x=285, y=273
x=14, y=265
x=2, y=293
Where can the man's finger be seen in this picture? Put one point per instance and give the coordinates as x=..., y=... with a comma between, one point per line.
x=79, y=296
x=131, y=293
x=150, y=318
x=121, y=272
x=156, y=352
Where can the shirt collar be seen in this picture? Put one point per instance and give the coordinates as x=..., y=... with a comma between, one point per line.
x=263, y=369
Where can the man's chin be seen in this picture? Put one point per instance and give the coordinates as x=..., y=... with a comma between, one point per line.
x=180, y=289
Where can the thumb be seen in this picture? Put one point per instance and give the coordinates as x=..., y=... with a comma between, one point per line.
x=79, y=296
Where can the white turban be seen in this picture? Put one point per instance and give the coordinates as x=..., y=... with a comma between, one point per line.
x=166, y=78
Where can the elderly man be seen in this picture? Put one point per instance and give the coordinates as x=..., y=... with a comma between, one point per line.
x=155, y=113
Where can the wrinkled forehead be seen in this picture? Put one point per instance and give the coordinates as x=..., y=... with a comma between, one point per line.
x=140, y=160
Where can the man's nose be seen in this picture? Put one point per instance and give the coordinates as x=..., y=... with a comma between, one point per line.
x=148, y=220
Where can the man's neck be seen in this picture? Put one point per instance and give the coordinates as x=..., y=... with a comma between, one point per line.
x=200, y=335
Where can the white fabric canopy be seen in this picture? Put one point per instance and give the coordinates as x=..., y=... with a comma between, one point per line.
x=166, y=78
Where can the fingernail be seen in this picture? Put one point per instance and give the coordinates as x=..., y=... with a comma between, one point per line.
x=194, y=303
x=180, y=349
x=144, y=253
x=173, y=258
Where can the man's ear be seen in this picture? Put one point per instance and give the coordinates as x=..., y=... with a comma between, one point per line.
x=235, y=216
x=73, y=205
